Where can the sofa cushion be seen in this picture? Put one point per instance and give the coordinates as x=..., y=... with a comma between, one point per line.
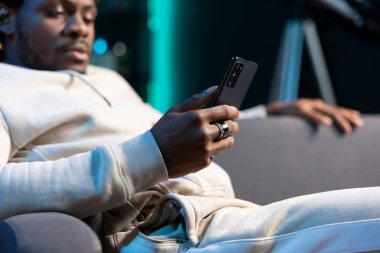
x=47, y=232
x=282, y=157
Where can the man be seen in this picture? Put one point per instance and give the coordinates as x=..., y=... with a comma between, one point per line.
x=76, y=139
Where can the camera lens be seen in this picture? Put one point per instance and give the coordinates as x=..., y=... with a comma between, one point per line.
x=235, y=75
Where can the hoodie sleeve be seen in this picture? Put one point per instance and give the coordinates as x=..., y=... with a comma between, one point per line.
x=5, y=140
x=82, y=184
x=257, y=112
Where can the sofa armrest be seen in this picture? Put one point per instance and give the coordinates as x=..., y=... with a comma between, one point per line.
x=47, y=232
x=283, y=157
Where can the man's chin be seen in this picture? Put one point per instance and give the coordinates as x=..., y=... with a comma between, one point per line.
x=78, y=67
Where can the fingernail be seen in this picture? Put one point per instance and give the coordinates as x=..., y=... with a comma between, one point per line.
x=327, y=121
x=208, y=91
x=360, y=122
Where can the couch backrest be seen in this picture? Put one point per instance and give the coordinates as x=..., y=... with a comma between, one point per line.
x=282, y=157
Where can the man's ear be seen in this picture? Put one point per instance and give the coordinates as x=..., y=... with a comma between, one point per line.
x=7, y=26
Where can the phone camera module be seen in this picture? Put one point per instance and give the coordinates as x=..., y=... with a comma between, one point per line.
x=235, y=75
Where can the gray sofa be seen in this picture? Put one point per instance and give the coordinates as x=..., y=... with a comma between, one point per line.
x=283, y=157
x=45, y=233
x=273, y=159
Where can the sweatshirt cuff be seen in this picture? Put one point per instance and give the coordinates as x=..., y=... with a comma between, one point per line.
x=257, y=112
x=141, y=163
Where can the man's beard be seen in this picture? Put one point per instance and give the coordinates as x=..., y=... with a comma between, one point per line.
x=28, y=57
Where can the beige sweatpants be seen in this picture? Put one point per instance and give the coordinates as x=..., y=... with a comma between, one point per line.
x=336, y=221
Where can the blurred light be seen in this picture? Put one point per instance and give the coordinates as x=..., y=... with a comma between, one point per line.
x=161, y=23
x=153, y=24
x=119, y=49
x=100, y=46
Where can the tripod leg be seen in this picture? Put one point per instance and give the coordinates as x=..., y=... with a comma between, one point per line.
x=318, y=62
x=285, y=83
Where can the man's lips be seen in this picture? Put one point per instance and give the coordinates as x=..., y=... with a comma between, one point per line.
x=77, y=56
x=78, y=53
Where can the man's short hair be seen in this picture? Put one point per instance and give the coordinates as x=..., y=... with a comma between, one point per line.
x=12, y=3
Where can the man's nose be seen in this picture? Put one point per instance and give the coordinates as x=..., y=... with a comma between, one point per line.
x=76, y=26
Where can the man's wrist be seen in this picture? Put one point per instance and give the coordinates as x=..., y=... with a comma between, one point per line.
x=141, y=162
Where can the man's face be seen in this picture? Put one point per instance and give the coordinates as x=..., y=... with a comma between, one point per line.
x=53, y=34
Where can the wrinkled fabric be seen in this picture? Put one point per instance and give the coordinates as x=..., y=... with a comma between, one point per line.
x=336, y=221
x=65, y=149
x=81, y=144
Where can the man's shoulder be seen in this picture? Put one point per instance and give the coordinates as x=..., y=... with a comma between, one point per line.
x=10, y=70
x=97, y=74
x=98, y=70
x=7, y=69
x=12, y=74
x=16, y=77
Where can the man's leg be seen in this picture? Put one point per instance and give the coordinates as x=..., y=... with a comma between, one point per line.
x=336, y=221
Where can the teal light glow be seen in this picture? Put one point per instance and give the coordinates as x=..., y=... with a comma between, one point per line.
x=161, y=88
x=100, y=46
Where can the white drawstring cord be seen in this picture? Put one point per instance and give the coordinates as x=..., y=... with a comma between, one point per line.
x=73, y=74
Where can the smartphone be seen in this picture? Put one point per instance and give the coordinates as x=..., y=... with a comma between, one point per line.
x=235, y=83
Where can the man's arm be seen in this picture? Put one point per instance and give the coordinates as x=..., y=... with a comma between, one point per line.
x=82, y=184
x=187, y=137
x=183, y=141
x=314, y=110
x=5, y=140
x=318, y=112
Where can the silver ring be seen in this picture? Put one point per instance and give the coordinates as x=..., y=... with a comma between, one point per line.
x=223, y=129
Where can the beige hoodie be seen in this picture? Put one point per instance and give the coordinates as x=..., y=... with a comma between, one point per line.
x=81, y=144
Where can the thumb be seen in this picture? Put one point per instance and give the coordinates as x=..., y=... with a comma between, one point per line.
x=196, y=101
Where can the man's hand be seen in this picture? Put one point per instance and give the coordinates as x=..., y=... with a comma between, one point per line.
x=188, y=139
x=318, y=112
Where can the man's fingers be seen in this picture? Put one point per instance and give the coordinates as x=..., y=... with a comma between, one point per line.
x=350, y=111
x=232, y=126
x=352, y=116
x=320, y=113
x=221, y=112
x=317, y=117
x=196, y=101
x=344, y=119
x=223, y=144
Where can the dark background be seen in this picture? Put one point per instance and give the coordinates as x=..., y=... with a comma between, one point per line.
x=208, y=33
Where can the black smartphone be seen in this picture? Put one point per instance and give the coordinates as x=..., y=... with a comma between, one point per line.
x=235, y=83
